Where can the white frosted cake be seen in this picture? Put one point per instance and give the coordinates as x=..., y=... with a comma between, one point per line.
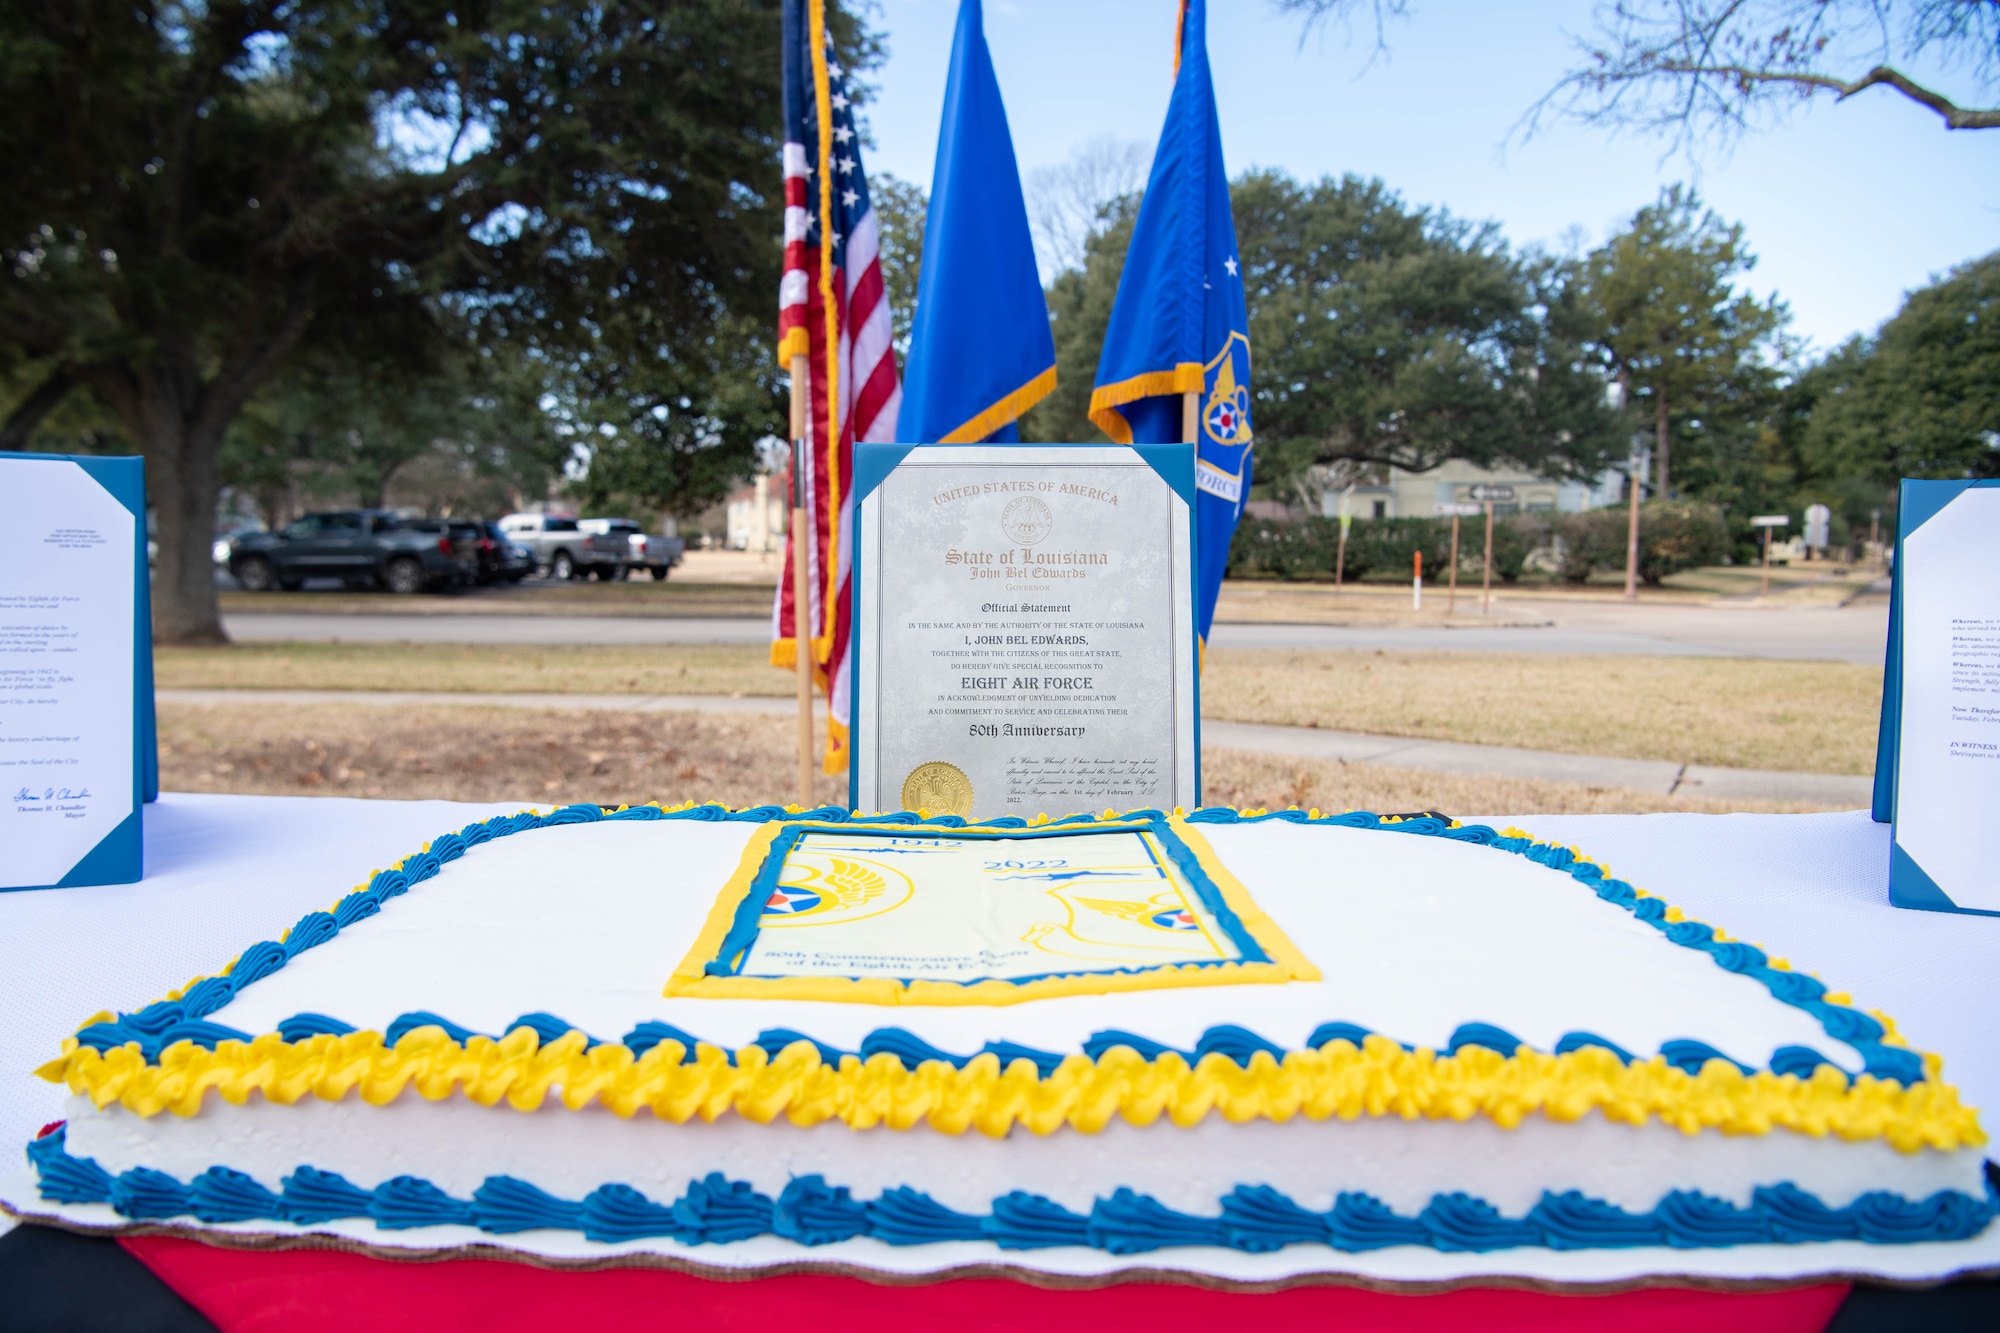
x=1248, y=1047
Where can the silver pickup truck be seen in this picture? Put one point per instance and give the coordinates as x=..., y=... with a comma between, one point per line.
x=566, y=549
x=652, y=552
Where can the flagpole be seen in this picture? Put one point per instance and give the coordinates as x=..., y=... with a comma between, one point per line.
x=1190, y=414
x=801, y=584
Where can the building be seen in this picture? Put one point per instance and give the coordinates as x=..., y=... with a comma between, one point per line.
x=756, y=517
x=1395, y=493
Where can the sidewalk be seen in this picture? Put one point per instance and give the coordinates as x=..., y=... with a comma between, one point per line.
x=1350, y=747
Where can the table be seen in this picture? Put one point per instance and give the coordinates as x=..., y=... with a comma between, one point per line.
x=223, y=870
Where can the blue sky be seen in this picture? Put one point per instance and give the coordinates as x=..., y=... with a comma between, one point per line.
x=1847, y=207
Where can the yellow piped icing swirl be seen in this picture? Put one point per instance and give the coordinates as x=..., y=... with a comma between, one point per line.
x=1377, y=1078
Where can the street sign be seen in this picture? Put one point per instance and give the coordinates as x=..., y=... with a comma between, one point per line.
x=1446, y=508
x=1771, y=521
x=1493, y=494
x=1819, y=526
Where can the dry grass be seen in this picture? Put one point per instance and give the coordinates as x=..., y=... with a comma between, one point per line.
x=481, y=754
x=551, y=758
x=693, y=668
x=1813, y=717
x=1233, y=777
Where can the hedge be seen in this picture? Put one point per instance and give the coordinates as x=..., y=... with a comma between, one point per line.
x=1673, y=535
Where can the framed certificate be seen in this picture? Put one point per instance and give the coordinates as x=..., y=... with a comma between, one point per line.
x=1938, y=767
x=76, y=686
x=1024, y=629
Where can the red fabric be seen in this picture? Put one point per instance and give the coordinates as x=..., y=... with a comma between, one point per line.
x=329, y=1291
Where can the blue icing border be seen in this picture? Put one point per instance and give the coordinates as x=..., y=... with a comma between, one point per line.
x=1238, y=1044
x=164, y=1022
x=1251, y=1218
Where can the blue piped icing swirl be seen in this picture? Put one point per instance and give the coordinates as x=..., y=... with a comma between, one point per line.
x=1235, y=1043
x=165, y=1022
x=1251, y=1218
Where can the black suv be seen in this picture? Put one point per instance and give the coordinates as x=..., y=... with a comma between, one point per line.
x=361, y=547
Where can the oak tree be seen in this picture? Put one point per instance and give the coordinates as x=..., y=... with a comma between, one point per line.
x=198, y=191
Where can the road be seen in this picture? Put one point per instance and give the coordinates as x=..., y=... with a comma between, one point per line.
x=1807, y=633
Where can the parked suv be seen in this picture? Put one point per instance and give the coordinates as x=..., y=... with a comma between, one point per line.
x=501, y=559
x=563, y=549
x=361, y=547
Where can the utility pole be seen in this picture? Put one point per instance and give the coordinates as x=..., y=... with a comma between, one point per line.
x=1635, y=485
x=1486, y=581
x=1451, y=599
x=1340, y=551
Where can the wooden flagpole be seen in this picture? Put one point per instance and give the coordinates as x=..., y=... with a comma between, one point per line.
x=801, y=582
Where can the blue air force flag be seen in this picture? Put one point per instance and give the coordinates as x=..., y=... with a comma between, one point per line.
x=981, y=352
x=1179, y=324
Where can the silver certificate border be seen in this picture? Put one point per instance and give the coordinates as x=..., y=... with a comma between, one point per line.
x=1185, y=762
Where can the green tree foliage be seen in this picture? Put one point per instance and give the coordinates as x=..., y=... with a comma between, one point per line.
x=1385, y=334
x=1921, y=398
x=1660, y=303
x=471, y=436
x=1379, y=334
x=198, y=191
x=900, y=210
x=675, y=437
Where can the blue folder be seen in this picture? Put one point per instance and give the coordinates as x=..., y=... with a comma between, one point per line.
x=1909, y=884
x=118, y=857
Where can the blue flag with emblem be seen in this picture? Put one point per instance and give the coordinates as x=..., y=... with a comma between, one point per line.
x=981, y=352
x=1178, y=326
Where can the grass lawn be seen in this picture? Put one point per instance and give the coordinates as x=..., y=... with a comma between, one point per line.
x=1817, y=717
x=694, y=668
x=1803, y=716
x=549, y=758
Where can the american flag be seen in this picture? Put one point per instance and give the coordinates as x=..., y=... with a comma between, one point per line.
x=831, y=296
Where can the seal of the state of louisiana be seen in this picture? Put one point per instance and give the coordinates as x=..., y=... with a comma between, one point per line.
x=1026, y=520
x=938, y=788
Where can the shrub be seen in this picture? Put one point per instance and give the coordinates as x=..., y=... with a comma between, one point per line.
x=1591, y=540
x=1679, y=534
x=1673, y=535
x=1308, y=548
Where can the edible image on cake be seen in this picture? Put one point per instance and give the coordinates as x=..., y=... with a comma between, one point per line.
x=958, y=910
x=917, y=915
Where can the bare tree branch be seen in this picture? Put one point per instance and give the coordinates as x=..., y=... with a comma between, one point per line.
x=1069, y=203
x=1319, y=12
x=1703, y=69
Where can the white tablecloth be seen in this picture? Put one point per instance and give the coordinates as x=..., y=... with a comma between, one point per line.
x=225, y=871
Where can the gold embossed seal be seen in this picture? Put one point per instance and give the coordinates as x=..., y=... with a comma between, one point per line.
x=938, y=788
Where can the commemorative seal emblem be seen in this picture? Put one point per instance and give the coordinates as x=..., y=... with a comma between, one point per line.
x=1026, y=520
x=938, y=788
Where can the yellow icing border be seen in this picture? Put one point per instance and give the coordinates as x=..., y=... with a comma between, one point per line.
x=1377, y=1078
x=691, y=980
